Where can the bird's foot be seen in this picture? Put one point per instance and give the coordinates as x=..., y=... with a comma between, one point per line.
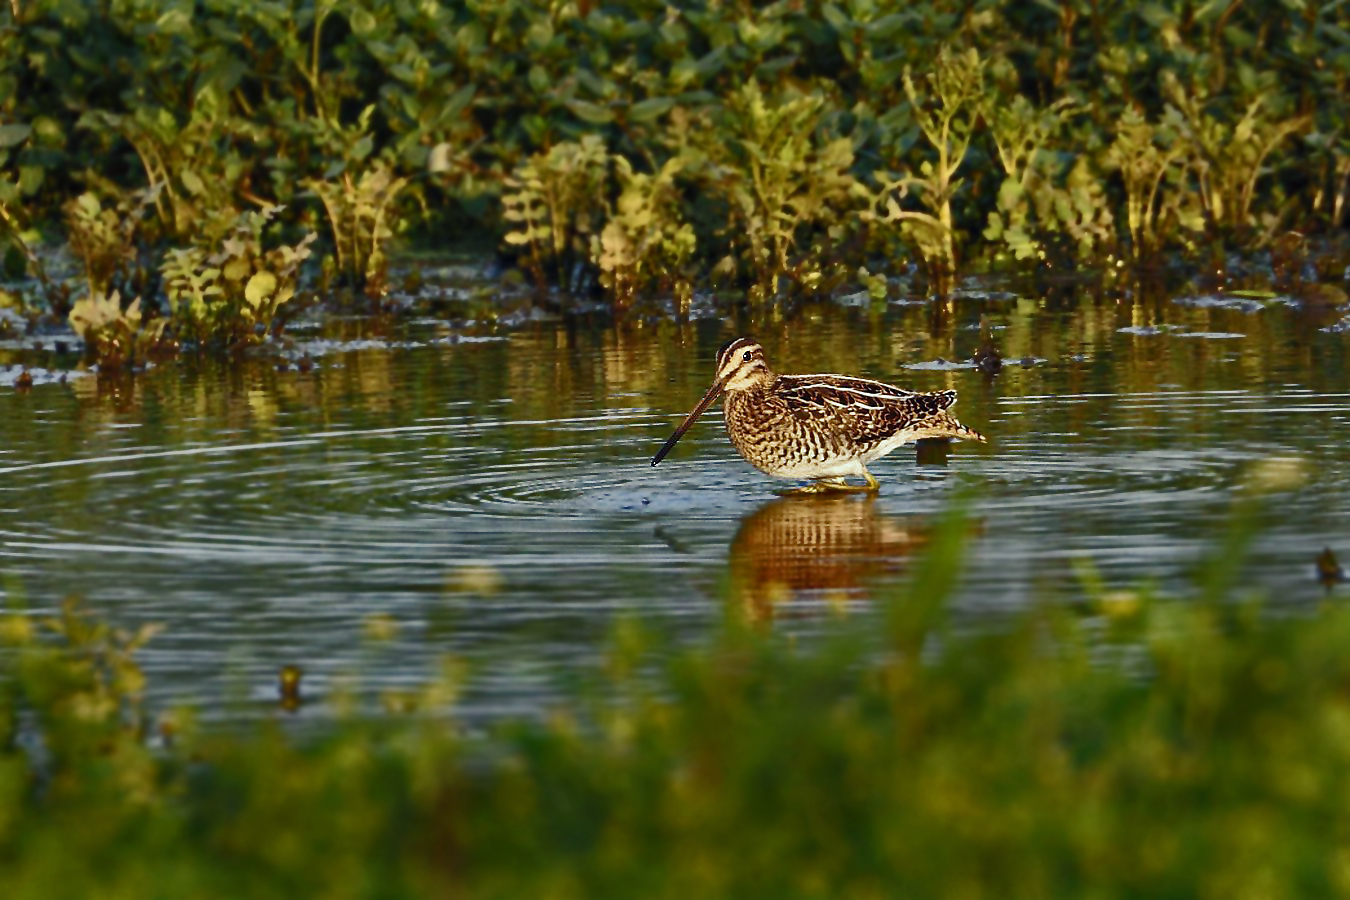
x=837, y=486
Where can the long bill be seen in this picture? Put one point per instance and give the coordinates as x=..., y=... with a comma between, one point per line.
x=713, y=393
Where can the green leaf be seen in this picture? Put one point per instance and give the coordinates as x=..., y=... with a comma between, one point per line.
x=362, y=22
x=591, y=113
x=175, y=21
x=836, y=17
x=457, y=102
x=261, y=286
x=30, y=179
x=11, y=135
x=651, y=108
x=887, y=26
x=193, y=182
x=236, y=269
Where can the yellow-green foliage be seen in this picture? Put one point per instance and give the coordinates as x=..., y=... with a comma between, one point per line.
x=111, y=334
x=224, y=103
x=1151, y=159
x=191, y=166
x=645, y=244
x=783, y=179
x=1033, y=204
x=232, y=291
x=104, y=238
x=947, y=110
x=1226, y=160
x=363, y=215
x=555, y=202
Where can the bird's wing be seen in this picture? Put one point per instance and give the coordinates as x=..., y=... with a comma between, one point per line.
x=864, y=410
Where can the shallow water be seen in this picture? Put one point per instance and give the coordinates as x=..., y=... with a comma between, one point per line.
x=493, y=499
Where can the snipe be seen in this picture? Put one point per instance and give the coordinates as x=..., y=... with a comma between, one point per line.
x=818, y=427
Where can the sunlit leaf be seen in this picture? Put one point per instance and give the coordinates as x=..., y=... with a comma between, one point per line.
x=261, y=286
x=651, y=108
x=10, y=135
x=591, y=112
x=362, y=21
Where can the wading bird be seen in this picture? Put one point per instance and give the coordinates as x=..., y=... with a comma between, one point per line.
x=818, y=427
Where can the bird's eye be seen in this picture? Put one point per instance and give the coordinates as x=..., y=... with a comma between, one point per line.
x=748, y=355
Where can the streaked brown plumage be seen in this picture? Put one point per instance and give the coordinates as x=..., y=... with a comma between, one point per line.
x=817, y=427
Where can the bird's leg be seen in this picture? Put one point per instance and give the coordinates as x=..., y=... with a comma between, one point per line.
x=871, y=487
x=822, y=486
x=838, y=485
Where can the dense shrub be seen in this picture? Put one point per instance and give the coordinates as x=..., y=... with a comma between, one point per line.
x=1077, y=132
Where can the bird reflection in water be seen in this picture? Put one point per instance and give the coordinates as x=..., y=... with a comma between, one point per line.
x=815, y=547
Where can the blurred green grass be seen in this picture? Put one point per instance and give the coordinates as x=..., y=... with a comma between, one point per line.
x=1118, y=745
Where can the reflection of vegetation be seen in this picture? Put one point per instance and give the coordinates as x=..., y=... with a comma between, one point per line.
x=1137, y=747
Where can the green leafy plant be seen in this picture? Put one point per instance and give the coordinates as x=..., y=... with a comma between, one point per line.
x=12, y=136
x=1036, y=200
x=1150, y=160
x=195, y=167
x=114, y=335
x=644, y=243
x=232, y=292
x=363, y=214
x=1226, y=161
x=106, y=239
x=555, y=203
x=782, y=178
x=947, y=111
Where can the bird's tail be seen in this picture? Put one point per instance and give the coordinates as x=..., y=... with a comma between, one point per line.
x=944, y=425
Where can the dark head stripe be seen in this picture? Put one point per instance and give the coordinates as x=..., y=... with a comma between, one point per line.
x=731, y=347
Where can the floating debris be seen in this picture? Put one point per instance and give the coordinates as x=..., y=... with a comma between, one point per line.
x=1150, y=330
x=1329, y=571
x=288, y=687
x=858, y=298
x=983, y=296
x=1228, y=301
x=22, y=378
x=987, y=358
x=941, y=365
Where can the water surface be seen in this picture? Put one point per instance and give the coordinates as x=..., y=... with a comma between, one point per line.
x=490, y=495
